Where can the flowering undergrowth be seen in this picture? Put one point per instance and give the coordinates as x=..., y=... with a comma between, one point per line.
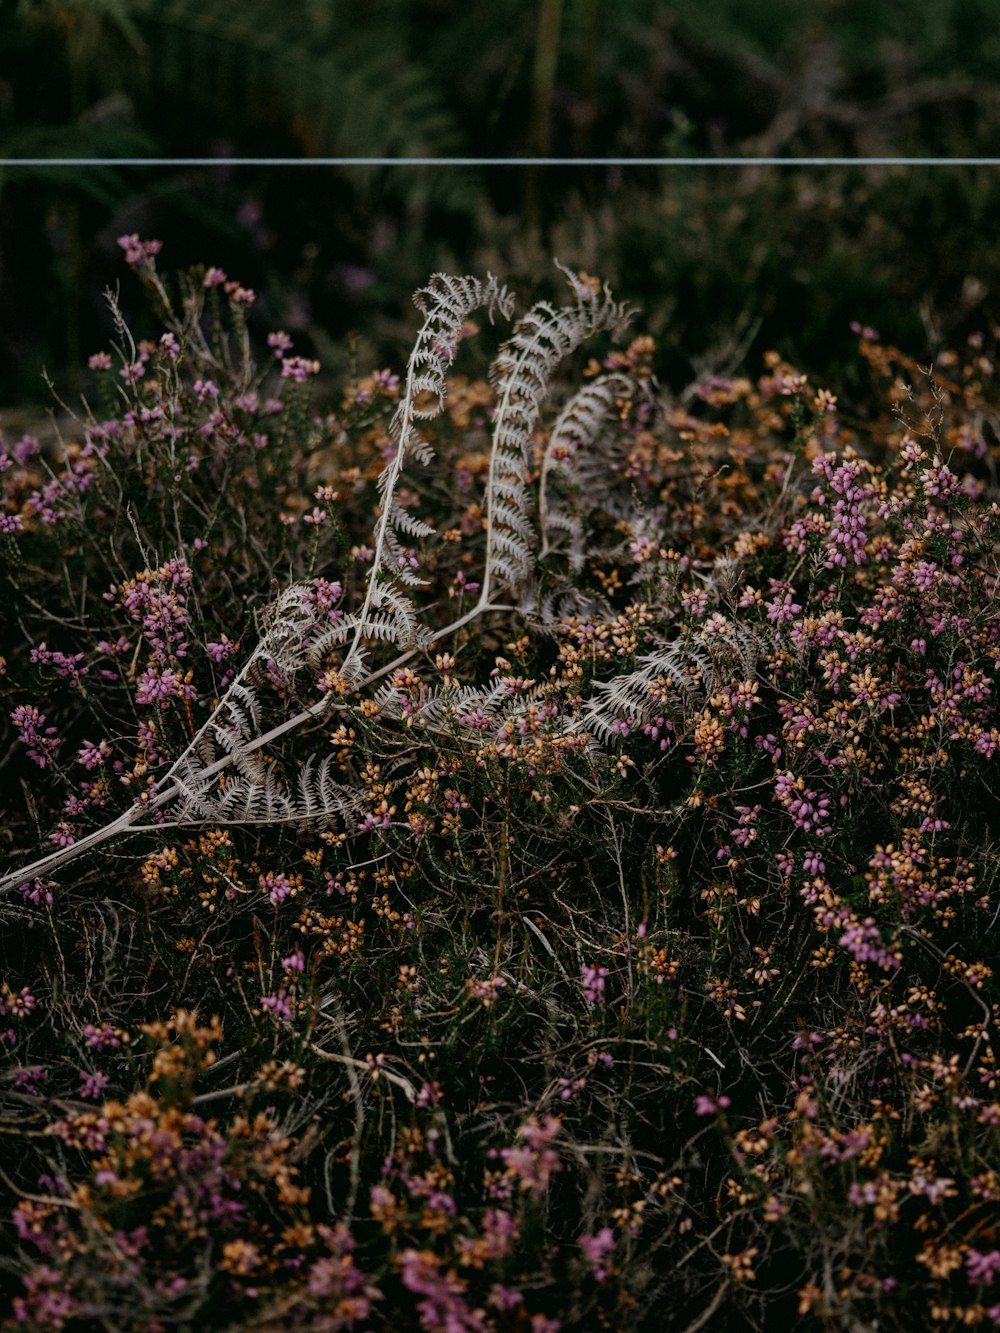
x=660, y=1000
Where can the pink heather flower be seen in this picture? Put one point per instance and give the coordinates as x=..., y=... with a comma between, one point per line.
x=444, y=1306
x=159, y=687
x=863, y=940
x=323, y=597
x=695, y=602
x=40, y=740
x=592, y=980
x=486, y=989
x=214, y=277
x=138, y=253
x=37, y=892
x=298, y=368
x=295, y=962
x=642, y=549
x=707, y=1103
x=101, y=1037
x=657, y=729
x=375, y=821
x=11, y=523
x=500, y=1230
x=92, y=1085
x=782, y=607
x=31, y=1077
x=848, y=534
x=808, y=810
x=99, y=361
x=337, y=1276
x=205, y=389
x=220, y=652
x=569, y=1087
x=462, y=584
x=429, y=1094
x=477, y=720
x=533, y=1162
x=277, y=1005
x=277, y=887
x=19, y=1005
x=240, y=295
x=280, y=342
x=596, y=1248
x=982, y=1267
x=802, y=1039
x=65, y=665
x=90, y=755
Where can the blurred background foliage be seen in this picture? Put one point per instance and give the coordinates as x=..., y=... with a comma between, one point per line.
x=723, y=261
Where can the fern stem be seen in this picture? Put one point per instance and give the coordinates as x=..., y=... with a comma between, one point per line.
x=317, y=709
x=124, y=823
x=128, y=821
x=405, y=427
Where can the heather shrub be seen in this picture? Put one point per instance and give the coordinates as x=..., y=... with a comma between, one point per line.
x=519, y=849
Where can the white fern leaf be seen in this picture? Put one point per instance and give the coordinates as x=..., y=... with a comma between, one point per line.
x=446, y=302
x=522, y=374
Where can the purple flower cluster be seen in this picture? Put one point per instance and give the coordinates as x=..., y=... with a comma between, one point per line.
x=863, y=940
x=847, y=535
x=40, y=741
x=807, y=809
x=592, y=979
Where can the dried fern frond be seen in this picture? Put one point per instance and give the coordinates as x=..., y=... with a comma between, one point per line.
x=446, y=302
x=577, y=467
x=684, y=668
x=294, y=639
x=522, y=375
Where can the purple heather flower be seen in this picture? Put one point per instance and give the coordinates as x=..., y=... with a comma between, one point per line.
x=32, y=732
x=160, y=686
x=276, y=886
x=280, y=342
x=92, y=1085
x=707, y=1103
x=277, y=1005
x=863, y=941
x=220, y=652
x=138, y=253
x=19, y=1005
x=90, y=755
x=596, y=1248
x=429, y=1094
x=592, y=980
x=298, y=368
x=101, y=1037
